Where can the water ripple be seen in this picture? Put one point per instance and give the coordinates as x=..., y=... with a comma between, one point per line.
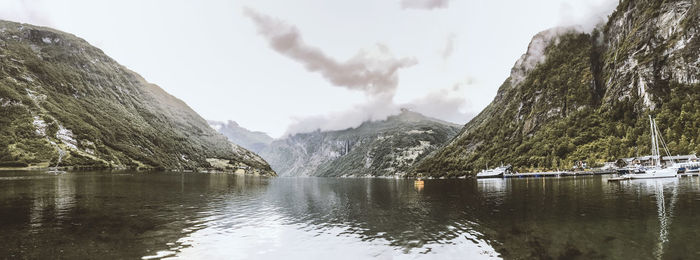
x=169, y=215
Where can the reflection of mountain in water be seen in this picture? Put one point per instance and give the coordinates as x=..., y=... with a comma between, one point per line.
x=552, y=218
x=130, y=215
x=382, y=209
x=114, y=215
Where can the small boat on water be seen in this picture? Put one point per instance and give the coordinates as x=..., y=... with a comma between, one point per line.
x=497, y=172
x=688, y=167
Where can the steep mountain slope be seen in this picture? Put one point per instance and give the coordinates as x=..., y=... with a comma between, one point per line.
x=253, y=141
x=576, y=96
x=61, y=97
x=381, y=148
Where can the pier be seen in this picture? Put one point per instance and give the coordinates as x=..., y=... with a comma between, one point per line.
x=557, y=174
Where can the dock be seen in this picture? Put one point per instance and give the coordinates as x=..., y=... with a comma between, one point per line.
x=535, y=174
x=628, y=176
x=557, y=174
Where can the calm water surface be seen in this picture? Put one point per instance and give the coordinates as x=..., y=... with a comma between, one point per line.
x=203, y=216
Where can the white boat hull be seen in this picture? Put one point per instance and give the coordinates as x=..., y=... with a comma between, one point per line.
x=656, y=173
x=493, y=173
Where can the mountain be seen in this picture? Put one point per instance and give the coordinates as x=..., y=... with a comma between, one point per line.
x=62, y=97
x=381, y=148
x=587, y=96
x=253, y=141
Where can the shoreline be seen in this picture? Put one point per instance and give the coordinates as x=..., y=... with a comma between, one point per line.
x=83, y=169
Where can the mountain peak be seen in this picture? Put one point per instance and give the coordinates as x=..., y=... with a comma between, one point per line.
x=377, y=148
x=535, y=53
x=252, y=140
x=408, y=115
x=232, y=123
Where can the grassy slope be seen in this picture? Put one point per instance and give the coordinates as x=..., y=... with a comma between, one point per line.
x=115, y=116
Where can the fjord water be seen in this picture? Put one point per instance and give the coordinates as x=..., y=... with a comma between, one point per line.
x=202, y=216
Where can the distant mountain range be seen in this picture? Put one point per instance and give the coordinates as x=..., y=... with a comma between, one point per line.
x=573, y=96
x=251, y=140
x=62, y=98
x=389, y=147
x=586, y=96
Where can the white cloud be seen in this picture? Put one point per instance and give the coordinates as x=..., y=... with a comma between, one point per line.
x=374, y=71
x=445, y=104
x=424, y=4
x=25, y=11
x=586, y=15
x=449, y=46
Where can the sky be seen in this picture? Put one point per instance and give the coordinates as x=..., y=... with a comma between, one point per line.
x=290, y=66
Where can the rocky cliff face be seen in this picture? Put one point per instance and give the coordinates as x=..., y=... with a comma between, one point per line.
x=382, y=148
x=649, y=45
x=253, y=141
x=586, y=96
x=62, y=98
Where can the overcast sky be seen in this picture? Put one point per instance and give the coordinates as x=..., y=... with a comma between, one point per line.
x=288, y=66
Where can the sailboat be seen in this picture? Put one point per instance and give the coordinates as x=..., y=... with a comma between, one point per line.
x=656, y=171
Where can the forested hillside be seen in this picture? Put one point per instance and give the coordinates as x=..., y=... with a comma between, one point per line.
x=587, y=96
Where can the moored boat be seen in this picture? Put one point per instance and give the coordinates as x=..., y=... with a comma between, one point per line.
x=656, y=173
x=688, y=167
x=630, y=169
x=497, y=172
x=656, y=170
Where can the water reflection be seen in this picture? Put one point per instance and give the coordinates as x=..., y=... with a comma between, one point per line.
x=136, y=215
x=344, y=219
x=80, y=215
x=64, y=199
x=487, y=186
x=665, y=215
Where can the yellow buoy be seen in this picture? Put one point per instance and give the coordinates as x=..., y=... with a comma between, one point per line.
x=419, y=184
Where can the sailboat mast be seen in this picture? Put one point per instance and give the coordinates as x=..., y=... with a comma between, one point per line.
x=656, y=145
x=653, y=141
